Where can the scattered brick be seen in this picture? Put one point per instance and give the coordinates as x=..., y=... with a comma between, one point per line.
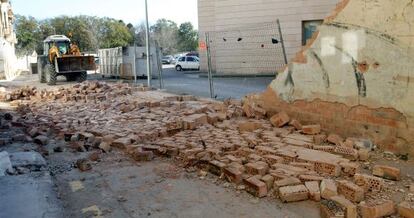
x=330, y=209
x=319, y=139
x=350, y=168
x=328, y=188
x=387, y=172
x=121, y=143
x=311, y=129
x=289, y=181
x=369, y=183
x=307, y=166
x=348, y=153
x=233, y=175
x=310, y=178
x=377, y=210
x=293, y=193
x=83, y=165
x=216, y=167
x=273, y=159
x=140, y=155
x=105, y=146
x=314, y=190
x=406, y=209
x=351, y=191
x=280, y=119
x=41, y=140
x=256, y=187
x=335, y=139
x=363, y=154
x=349, y=208
x=268, y=180
x=296, y=124
x=249, y=126
x=258, y=168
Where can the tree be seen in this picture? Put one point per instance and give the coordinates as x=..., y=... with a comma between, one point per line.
x=45, y=29
x=140, y=34
x=115, y=34
x=27, y=34
x=77, y=29
x=92, y=33
x=165, y=32
x=187, y=37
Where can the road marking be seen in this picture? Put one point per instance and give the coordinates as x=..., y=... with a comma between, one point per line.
x=76, y=186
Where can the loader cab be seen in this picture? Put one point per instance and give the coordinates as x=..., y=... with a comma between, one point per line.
x=61, y=42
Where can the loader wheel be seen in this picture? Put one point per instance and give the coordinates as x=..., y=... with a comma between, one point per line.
x=41, y=75
x=50, y=75
x=83, y=76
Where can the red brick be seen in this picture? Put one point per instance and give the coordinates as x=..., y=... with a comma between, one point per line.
x=232, y=158
x=310, y=178
x=335, y=139
x=273, y=159
x=293, y=193
x=387, y=172
x=289, y=181
x=254, y=157
x=319, y=139
x=121, y=143
x=348, y=153
x=216, y=167
x=106, y=147
x=249, y=126
x=314, y=190
x=329, y=210
x=351, y=191
x=193, y=121
x=311, y=129
x=256, y=187
x=349, y=168
x=406, y=209
x=307, y=166
x=280, y=119
x=369, y=183
x=349, y=208
x=363, y=154
x=233, y=175
x=269, y=180
x=296, y=124
x=377, y=210
x=263, y=150
x=298, y=143
x=258, y=168
x=328, y=188
x=140, y=155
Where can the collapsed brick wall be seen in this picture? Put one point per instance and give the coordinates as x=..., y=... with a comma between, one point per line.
x=355, y=78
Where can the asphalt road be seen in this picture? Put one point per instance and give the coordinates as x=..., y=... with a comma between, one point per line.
x=189, y=82
x=183, y=82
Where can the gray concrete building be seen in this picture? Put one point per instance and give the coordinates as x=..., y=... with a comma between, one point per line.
x=298, y=18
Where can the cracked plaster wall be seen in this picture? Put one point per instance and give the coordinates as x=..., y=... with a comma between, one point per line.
x=357, y=76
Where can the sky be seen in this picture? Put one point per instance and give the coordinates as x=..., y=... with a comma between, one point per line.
x=130, y=11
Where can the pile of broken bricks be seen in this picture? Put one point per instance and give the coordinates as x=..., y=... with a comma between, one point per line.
x=277, y=157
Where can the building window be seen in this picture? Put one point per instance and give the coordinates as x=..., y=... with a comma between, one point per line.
x=309, y=28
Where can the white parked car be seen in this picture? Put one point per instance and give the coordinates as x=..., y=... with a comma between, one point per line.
x=187, y=63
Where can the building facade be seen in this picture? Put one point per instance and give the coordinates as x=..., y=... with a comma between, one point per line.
x=8, y=41
x=298, y=19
